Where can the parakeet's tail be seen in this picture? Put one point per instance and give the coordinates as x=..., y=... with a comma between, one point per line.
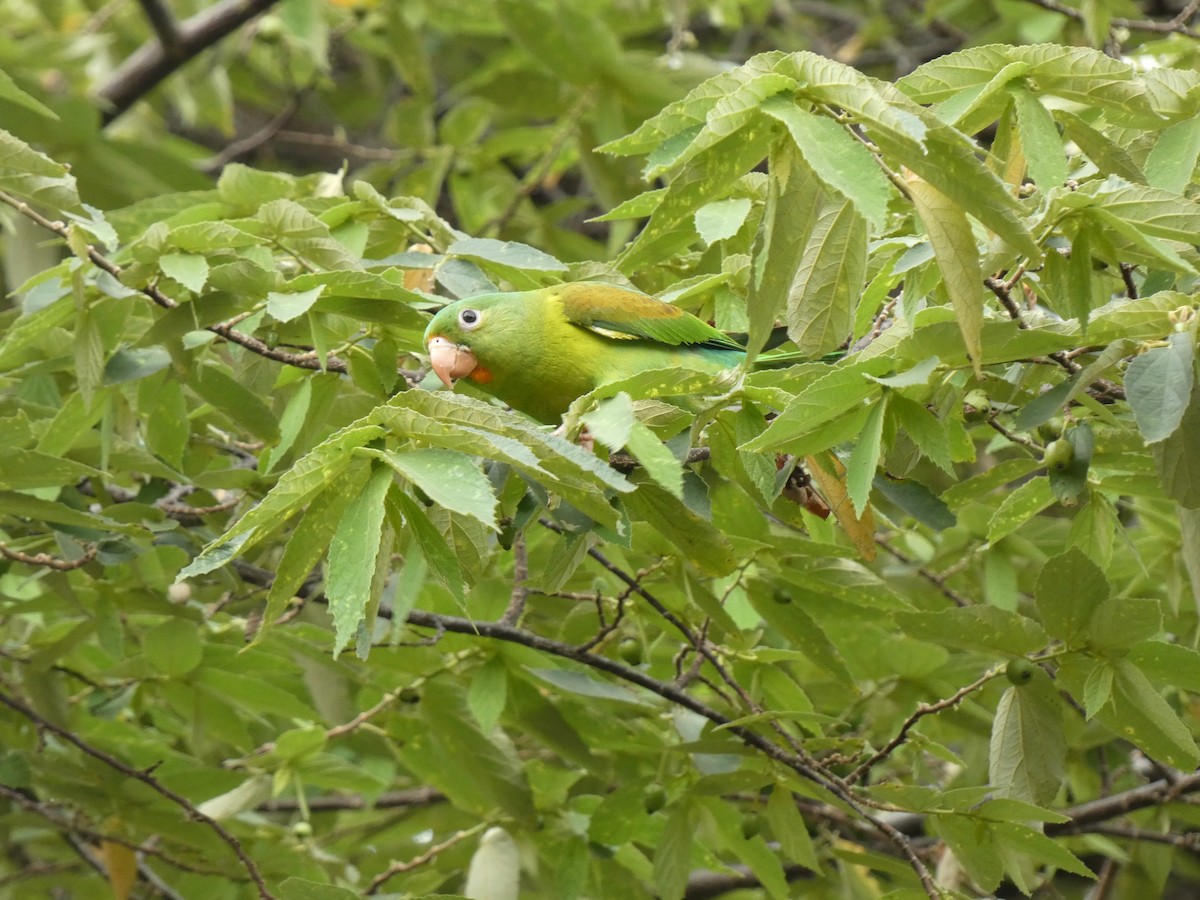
x=778, y=358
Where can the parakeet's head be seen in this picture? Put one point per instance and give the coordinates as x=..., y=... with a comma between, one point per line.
x=464, y=335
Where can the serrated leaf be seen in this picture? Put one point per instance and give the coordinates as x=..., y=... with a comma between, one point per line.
x=1140, y=715
x=1158, y=384
x=189, y=269
x=352, y=557
x=1120, y=623
x=1070, y=588
x=1019, y=507
x=283, y=307
x=1178, y=457
x=1172, y=160
x=958, y=258
x=672, y=854
x=794, y=199
x=488, y=692
x=839, y=160
x=983, y=628
x=864, y=458
x=721, y=219
x=1040, y=141
x=506, y=253
x=1028, y=748
x=828, y=282
x=449, y=478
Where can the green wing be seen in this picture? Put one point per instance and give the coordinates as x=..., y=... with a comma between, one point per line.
x=620, y=313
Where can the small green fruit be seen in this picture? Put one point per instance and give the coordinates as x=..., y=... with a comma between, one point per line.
x=976, y=405
x=751, y=825
x=270, y=29
x=1019, y=671
x=630, y=650
x=781, y=595
x=1058, y=454
x=410, y=695
x=654, y=798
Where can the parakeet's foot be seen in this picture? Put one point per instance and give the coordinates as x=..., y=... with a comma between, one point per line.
x=584, y=439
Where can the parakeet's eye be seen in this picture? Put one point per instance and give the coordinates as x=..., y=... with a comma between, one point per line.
x=470, y=318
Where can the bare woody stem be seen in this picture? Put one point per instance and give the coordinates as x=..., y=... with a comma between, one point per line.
x=150, y=781
x=173, y=46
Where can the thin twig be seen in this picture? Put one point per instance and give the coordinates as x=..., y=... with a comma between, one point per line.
x=397, y=868
x=47, y=561
x=253, y=141
x=670, y=692
x=925, y=709
x=164, y=26
x=150, y=781
x=520, y=592
x=253, y=344
x=147, y=66
x=938, y=580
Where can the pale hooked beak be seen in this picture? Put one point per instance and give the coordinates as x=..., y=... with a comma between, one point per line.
x=449, y=360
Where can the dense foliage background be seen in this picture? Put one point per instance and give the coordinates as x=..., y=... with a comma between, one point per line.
x=280, y=619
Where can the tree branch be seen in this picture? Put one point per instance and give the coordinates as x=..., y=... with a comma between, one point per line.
x=155, y=60
x=164, y=26
x=222, y=329
x=147, y=779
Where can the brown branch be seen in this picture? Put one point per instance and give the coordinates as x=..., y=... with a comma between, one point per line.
x=253, y=141
x=520, y=591
x=150, y=781
x=154, y=61
x=253, y=344
x=1154, y=794
x=47, y=561
x=414, y=798
x=925, y=709
x=934, y=578
x=1177, y=25
x=164, y=26
x=672, y=693
x=397, y=868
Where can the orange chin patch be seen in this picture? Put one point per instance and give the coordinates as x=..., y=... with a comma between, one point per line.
x=480, y=375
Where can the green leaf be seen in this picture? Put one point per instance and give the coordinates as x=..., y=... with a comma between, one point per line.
x=721, y=219
x=352, y=558
x=294, y=888
x=488, y=693
x=1172, y=160
x=789, y=829
x=1158, y=384
x=673, y=853
x=35, y=177
x=702, y=179
x=828, y=282
x=189, y=269
x=1070, y=588
x=837, y=158
x=1019, y=507
x=1028, y=750
x=9, y=90
x=1040, y=142
x=701, y=543
x=1178, y=457
x=1120, y=623
x=983, y=628
x=245, y=408
x=449, y=478
x=506, y=253
x=864, y=459
x=283, y=307
x=794, y=199
x=1139, y=714
x=23, y=469
x=173, y=648
x=957, y=257
x=580, y=683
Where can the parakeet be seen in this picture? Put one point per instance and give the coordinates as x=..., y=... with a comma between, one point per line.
x=539, y=350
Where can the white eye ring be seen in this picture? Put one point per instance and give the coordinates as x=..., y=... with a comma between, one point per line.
x=470, y=319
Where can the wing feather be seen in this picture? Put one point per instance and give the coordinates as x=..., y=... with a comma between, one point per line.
x=617, y=312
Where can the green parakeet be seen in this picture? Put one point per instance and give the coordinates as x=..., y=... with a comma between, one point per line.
x=539, y=350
